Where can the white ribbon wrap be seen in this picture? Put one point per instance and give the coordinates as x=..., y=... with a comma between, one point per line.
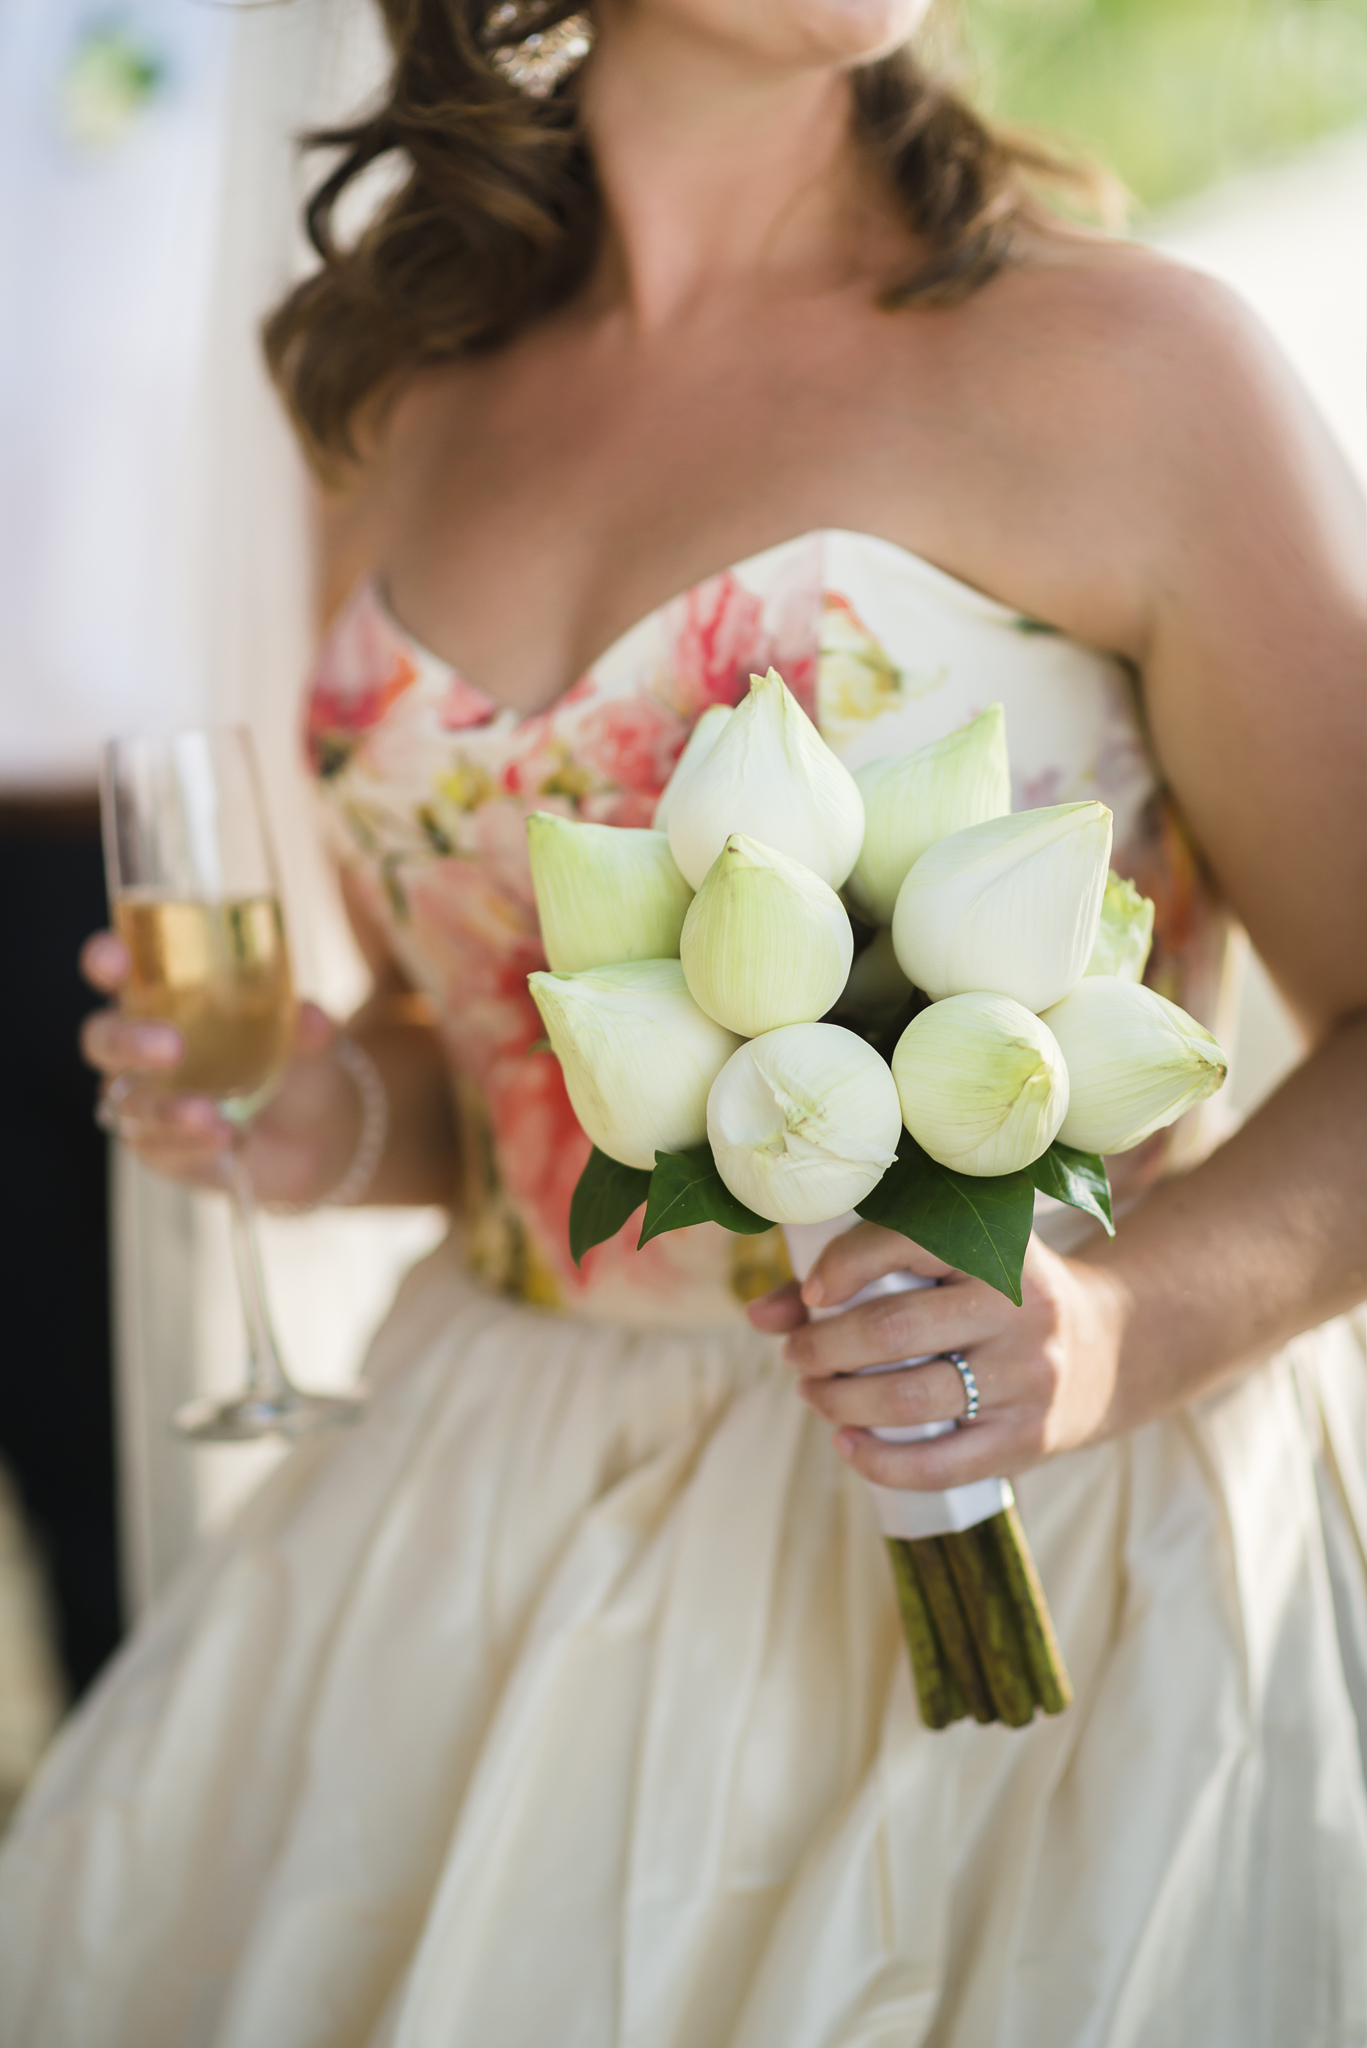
x=900, y=1512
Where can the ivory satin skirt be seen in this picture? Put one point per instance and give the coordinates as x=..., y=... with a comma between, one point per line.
x=562, y=1705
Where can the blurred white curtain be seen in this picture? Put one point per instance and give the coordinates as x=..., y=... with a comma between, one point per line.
x=104, y=284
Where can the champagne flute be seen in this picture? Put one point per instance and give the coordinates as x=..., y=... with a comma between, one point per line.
x=193, y=891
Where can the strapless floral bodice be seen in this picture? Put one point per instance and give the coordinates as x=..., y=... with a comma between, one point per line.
x=427, y=784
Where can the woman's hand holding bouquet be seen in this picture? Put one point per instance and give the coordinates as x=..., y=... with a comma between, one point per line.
x=978, y=1034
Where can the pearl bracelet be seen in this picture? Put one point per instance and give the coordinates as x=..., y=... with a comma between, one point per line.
x=368, y=1082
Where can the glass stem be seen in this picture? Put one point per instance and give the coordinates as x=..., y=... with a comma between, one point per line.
x=266, y=1376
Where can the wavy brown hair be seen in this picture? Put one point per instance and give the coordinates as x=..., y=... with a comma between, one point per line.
x=497, y=220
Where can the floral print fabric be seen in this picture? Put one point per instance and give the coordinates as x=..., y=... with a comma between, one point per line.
x=428, y=784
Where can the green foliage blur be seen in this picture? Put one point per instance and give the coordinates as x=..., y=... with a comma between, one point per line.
x=1171, y=95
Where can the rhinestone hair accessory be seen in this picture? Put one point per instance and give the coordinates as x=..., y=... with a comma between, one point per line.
x=542, y=58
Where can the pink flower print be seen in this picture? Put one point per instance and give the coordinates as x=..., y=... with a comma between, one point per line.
x=794, y=618
x=363, y=667
x=799, y=673
x=473, y=933
x=631, y=743
x=716, y=637
x=541, y=1148
x=633, y=807
x=496, y=835
x=542, y=763
x=400, y=751
x=474, y=950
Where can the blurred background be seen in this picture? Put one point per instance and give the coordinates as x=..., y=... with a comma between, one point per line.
x=154, y=569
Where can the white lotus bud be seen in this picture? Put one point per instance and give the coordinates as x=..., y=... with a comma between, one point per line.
x=1010, y=906
x=765, y=942
x=638, y=1055
x=706, y=732
x=982, y=1084
x=1125, y=933
x=771, y=776
x=604, y=893
x=911, y=800
x=803, y=1122
x=1135, y=1062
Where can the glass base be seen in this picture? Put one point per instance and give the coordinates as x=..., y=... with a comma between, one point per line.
x=243, y=1417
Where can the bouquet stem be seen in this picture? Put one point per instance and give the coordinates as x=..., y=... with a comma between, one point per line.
x=977, y=1625
x=974, y=1614
x=938, y=1692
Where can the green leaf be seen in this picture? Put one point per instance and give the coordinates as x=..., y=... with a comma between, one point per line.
x=686, y=1188
x=980, y=1224
x=1078, y=1178
x=606, y=1194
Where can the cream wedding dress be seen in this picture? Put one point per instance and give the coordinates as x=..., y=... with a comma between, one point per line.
x=562, y=1703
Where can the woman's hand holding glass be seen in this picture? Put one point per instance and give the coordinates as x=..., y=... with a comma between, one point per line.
x=201, y=967
x=297, y=1148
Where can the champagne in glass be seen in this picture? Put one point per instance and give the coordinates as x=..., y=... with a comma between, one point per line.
x=220, y=973
x=193, y=889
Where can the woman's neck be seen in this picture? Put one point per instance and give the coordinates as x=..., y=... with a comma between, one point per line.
x=715, y=168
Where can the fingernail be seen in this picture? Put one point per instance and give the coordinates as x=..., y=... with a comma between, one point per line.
x=813, y=1293
x=160, y=1042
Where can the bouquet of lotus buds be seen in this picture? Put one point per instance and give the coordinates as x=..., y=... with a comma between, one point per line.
x=966, y=1028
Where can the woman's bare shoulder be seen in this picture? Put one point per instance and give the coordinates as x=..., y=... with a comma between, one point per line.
x=1159, y=345
x=1118, y=307
x=1167, y=378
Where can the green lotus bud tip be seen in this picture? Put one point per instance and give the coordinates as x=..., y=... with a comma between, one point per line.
x=1124, y=935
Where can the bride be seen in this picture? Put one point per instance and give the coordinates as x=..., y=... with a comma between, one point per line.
x=561, y=1703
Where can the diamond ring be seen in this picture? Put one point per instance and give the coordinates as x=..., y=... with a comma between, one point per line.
x=965, y=1372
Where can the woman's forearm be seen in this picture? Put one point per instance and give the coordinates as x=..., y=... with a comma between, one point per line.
x=1267, y=1237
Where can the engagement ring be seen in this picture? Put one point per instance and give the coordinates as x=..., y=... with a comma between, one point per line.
x=965, y=1372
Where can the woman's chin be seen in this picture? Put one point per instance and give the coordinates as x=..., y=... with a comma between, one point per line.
x=801, y=32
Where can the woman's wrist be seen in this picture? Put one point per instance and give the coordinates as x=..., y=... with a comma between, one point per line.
x=351, y=1138
x=372, y=1134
